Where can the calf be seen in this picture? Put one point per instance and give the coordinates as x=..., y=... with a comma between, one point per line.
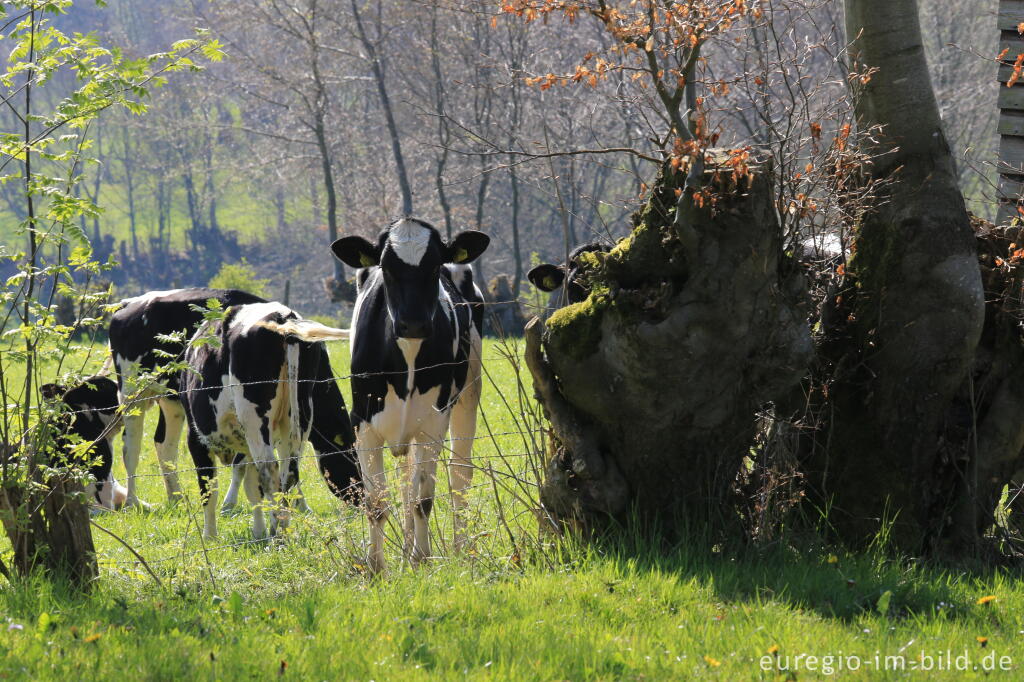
x=139, y=347
x=415, y=341
x=548, y=277
x=265, y=385
x=92, y=417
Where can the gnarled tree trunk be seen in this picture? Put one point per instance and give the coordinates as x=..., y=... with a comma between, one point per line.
x=652, y=383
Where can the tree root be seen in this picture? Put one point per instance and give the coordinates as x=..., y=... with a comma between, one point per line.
x=580, y=481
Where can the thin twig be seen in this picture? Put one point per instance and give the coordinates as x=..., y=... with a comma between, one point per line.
x=142, y=560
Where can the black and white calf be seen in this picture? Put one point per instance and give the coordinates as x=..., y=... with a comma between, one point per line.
x=549, y=277
x=92, y=417
x=266, y=385
x=415, y=341
x=139, y=347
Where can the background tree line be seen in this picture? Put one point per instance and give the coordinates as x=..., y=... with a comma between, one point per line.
x=269, y=154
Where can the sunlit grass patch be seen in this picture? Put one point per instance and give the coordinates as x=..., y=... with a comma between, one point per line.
x=516, y=605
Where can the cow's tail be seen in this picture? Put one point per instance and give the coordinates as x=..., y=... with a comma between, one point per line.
x=292, y=357
x=305, y=330
x=108, y=365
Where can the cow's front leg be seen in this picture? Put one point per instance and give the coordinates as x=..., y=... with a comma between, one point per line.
x=422, y=481
x=237, y=475
x=131, y=445
x=166, y=439
x=370, y=449
x=262, y=454
x=207, y=474
x=293, y=485
x=463, y=431
x=251, y=479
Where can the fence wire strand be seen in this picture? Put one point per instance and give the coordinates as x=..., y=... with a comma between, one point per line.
x=144, y=389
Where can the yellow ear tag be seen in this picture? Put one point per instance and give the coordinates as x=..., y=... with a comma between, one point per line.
x=366, y=261
x=339, y=441
x=461, y=256
x=549, y=282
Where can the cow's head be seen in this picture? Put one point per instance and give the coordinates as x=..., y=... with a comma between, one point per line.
x=410, y=254
x=548, y=277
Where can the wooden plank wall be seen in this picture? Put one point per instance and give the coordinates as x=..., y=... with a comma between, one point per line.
x=1011, y=111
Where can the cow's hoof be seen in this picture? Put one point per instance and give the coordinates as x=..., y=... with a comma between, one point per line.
x=136, y=503
x=120, y=497
x=302, y=506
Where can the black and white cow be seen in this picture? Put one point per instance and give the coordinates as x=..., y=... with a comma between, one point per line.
x=139, y=346
x=265, y=385
x=549, y=277
x=91, y=416
x=415, y=341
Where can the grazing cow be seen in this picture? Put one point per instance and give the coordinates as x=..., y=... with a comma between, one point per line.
x=265, y=385
x=415, y=341
x=92, y=417
x=139, y=346
x=548, y=277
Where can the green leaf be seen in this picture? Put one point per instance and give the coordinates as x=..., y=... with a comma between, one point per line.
x=883, y=602
x=235, y=601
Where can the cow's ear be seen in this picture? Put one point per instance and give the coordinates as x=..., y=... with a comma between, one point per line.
x=356, y=252
x=467, y=247
x=546, y=277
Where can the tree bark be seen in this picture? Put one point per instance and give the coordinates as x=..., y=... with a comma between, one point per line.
x=994, y=390
x=912, y=309
x=332, y=196
x=377, y=66
x=47, y=522
x=443, y=132
x=688, y=330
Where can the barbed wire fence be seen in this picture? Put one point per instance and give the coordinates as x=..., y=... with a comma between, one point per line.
x=506, y=521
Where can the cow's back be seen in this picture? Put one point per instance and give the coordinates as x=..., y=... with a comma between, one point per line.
x=136, y=328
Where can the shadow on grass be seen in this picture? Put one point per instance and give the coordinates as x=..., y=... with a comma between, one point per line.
x=804, y=573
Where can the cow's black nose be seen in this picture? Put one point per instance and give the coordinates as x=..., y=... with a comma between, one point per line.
x=413, y=329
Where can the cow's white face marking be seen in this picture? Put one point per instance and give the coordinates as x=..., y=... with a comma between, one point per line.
x=409, y=240
x=252, y=313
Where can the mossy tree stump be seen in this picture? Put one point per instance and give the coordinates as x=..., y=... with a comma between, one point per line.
x=652, y=383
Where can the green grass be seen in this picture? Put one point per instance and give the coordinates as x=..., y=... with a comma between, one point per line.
x=239, y=211
x=518, y=607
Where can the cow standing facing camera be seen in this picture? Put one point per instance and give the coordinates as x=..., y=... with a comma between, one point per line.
x=416, y=354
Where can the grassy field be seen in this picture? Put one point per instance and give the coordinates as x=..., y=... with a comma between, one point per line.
x=515, y=606
x=240, y=211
